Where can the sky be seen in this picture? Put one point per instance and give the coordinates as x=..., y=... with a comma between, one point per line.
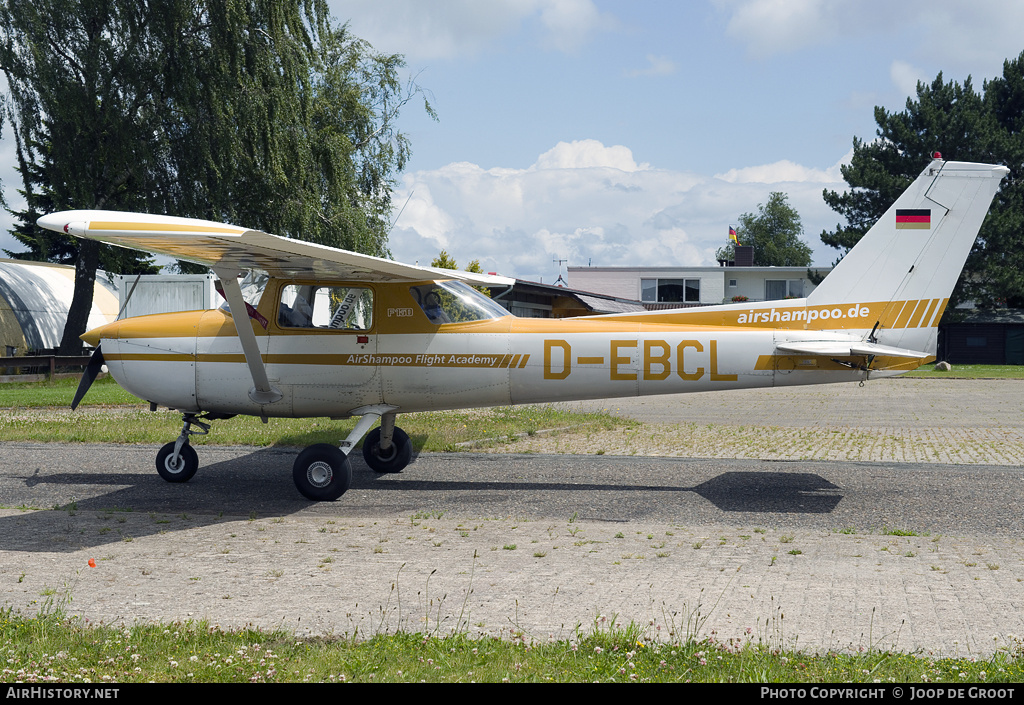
x=614, y=132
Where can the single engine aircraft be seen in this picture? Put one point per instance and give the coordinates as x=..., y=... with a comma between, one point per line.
x=313, y=331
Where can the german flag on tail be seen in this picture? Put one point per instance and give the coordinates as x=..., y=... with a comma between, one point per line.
x=913, y=219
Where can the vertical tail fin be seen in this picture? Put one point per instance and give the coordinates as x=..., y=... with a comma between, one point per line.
x=908, y=263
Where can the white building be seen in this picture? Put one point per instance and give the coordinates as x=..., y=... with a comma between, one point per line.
x=34, y=301
x=166, y=293
x=674, y=287
x=35, y=298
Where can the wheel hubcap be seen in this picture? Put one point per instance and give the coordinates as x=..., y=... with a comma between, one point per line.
x=319, y=474
x=389, y=454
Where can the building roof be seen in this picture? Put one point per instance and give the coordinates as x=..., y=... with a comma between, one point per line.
x=34, y=301
x=608, y=304
x=703, y=268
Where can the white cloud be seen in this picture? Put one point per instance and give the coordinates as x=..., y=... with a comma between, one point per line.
x=778, y=26
x=780, y=172
x=456, y=28
x=422, y=30
x=569, y=24
x=589, y=203
x=585, y=154
x=905, y=77
x=968, y=38
x=961, y=38
x=656, y=66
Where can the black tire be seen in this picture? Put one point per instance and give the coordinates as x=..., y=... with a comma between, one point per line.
x=399, y=455
x=322, y=473
x=184, y=469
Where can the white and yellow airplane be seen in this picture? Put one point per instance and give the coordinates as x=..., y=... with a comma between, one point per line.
x=333, y=333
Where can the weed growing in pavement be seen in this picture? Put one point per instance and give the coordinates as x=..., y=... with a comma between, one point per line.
x=51, y=647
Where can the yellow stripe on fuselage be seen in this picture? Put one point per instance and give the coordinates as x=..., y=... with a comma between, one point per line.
x=412, y=359
x=219, y=324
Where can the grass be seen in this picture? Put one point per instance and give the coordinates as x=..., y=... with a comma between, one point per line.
x=104, y=392
x=53, y=648
x=39, y=412
x=969, y=372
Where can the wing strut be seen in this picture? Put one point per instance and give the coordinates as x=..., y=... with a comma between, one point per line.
x=262, y=391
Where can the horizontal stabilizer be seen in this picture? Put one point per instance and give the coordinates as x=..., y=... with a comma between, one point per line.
x=844, y=349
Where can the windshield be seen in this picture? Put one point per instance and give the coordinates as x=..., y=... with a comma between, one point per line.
x=455, y=302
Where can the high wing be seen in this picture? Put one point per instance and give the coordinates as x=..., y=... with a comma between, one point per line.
x=224, y=247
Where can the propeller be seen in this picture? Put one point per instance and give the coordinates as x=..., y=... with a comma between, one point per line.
x=95, y=363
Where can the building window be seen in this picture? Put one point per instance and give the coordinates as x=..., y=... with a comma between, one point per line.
x=670, y=290
x=732, y=283
x=775, y=289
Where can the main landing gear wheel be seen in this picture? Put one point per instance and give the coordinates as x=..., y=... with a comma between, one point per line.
x=180, y=469
x=322, y=472
x=395, y=458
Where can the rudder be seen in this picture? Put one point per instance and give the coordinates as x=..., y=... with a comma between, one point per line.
x=909, y=261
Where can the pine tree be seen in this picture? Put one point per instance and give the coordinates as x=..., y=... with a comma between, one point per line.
x=962, y=125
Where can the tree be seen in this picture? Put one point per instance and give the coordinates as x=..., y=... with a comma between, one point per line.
x=774, y=232
x=259, y=112
x=444, y=261
x=962, y=125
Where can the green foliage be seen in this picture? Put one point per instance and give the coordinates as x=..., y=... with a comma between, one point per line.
x=25, y=417
x=104, y=392
x=970, y=372
x=774, y=232
x=259, y=112
x=963, y=125
x=80, y=131
x=444, y=261
x=726, y=253
x=37, y=647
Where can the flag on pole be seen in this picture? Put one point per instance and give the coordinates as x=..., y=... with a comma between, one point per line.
x=732, y=235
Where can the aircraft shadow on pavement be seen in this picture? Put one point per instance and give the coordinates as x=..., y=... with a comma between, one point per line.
x=789, y=492
x=139, y=504
x=770, y=492
x=259, y=485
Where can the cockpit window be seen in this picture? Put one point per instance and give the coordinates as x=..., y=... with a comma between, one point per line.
x=325, y=306
x=455, y=302
x=252, y=285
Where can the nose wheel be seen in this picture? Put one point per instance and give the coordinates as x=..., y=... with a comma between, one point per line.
x=177, y=467
x=178, y=461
